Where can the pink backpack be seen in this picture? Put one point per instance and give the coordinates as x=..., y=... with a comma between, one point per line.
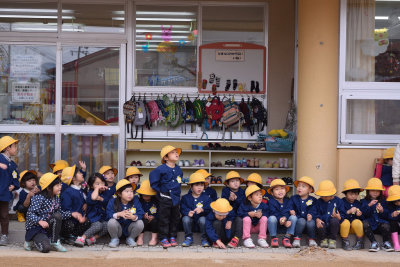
x=154, y=111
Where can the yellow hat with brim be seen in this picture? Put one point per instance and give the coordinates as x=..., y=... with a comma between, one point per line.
x=132, y=171
x=67, y=174
x=374, y=184
x=6, y=141
x=326, y=188
x=25, y=172
x=103, y=169
x=59, y=165
x=204, y=173
x=221, y=206
x=253, y=188
x=197, y=178
x=389, y=153
x=255, y=178
x=233, y=175
x=122, y=183
x=46, y=180
x=277, y=182
x=145, y=189
x=165, y=150
x=351, y=184
x=393, y=193
x=306, y=180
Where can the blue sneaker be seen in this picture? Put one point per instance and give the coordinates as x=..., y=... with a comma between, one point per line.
x=114, y=243
x=374, y=247
x=204, y=243
x=165, y=243
x=173, y=242
x=131, y=242
x=188, y=242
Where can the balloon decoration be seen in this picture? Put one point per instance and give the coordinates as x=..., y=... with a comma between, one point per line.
x=195, y=33
x=148, y=36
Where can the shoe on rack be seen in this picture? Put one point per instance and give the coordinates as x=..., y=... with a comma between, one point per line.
x=202, y=163
x=238, y=163
x=219, y=164
x=138, y=163
x=219, y=180
x=187, y=163
x=181, y=163
x=249, y=147
x=152, y=163
x=244, y=163
x=256, y=163
x=196, y=163
x=227, y=163
x=148, y=163
x=133, y=163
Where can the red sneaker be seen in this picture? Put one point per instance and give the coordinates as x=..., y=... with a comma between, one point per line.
x=165, y=243
x=234, y=242
x=286, y=243
x=173, y=242
x=274, y=242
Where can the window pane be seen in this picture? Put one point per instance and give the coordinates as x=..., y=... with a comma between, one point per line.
x=28, y=17
x=35, y=151
x=98, y=18
x=365, y=116
x=90, y=85
x=95, y=150
x=166, y=46
x=27, y=84
x=373, y=41
x=233, y=24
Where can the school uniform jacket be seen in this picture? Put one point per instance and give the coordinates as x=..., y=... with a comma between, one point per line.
x=8, y=177
x=210, y=231
x=73, y=199
x=95, y=208
x=134, y=206
x=278, y=209
x=244, y=210
x=109, y=194
x=391, y=208
x=239, y=194
x=372, y=215
x=303, y=207
x=22, y=197
x=347, y=205
x=151, y=207
x=167, y=181
x=325, y=209
x=189, y=203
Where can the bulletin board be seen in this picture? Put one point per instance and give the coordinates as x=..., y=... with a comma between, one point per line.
x=231, y=61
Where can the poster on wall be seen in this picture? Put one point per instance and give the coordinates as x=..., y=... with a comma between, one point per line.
x=25, y=66
x=26, y=92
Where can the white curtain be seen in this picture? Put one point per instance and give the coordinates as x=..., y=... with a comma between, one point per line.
x=361, y=116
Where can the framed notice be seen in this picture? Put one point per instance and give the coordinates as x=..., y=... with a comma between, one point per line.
x=26, y=92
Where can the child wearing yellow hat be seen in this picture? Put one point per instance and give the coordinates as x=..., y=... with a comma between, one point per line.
x=217, y=227
x=28, y=181
x=109, y=174
x=207, y=189
x=166, y=180
x=254, y=214
x=394, y=214
x=8, y=182
x=330, y=213
x=124, y=214
x=352, y=222
x=383, y=169
x=374, y=208
x=195, y=206
x=45, y=215
x=280, y=220
x=133, y=175
x=150, y=208
x=303, y=206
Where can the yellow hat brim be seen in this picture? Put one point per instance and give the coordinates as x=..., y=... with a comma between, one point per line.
x=179, y=150
x=269, y=190
x=25, y=172
x=374, y=188
x=262, y=192
x=296, y=184
x=146, y=192
x=393, y=198
x=218, y=209
x=9, y=142
x=325, y=193
x=352, y=188
x=227, y=180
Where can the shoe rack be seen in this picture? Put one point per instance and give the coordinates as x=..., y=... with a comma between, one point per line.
x=150, y=151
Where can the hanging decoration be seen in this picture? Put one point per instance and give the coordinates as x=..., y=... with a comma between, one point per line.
x=195, y=33
x=149, y=36
x=181, y=43
x=145, y=48
x=166, y=33
x=166, y=47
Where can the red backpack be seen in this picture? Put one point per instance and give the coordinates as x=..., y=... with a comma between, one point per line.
x=214, y=111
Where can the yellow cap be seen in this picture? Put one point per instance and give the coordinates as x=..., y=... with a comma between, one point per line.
x=59, y=165
x=375, y=184
x=351, y=184
x=326, y=188
x=105, y=168
x=122, y=183
x=145, y=189
x=393, y=193
x=197, y=178
x=67, y=174
x=389, y=153
x=25, y=172
x=221, y=206
x=6, y=141
x=46, y=180
x=277, y=182
x=307, y=180
x=253, y=188
x=165, y=150
x=132, y=171
x=204, y=173
x=255, y=178
x=232, y=175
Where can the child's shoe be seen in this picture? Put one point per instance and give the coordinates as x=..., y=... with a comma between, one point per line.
x=187, y=163
x=262, y=243
x=286, y=243
x=114, y=243
x=296, y=242
x=165, y=243
x=181, y=163
x=359, y=244
x=275, y=242
x=201, y=163
x=79, y=242
x=374, y=247
x=173, y=242
x=70, y=240
x=234, y=242
x=130, y=242
x=387, y=247
x=238, y=163
x=324, y=243
x=215, y=245
x=312, y=243
x=346, y=244
x=188, y=242
x=20, y=216
x=196, y=163
x=244, y=163
x=3, y=240
x=28, y=245
x=57, y=246
x=91, y=241
x=204, y=243
x=248, y=243
x=332, y=244
x=395, y=240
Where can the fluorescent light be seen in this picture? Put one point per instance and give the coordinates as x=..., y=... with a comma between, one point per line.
x=165, y=13
x=164, y=19
x=382, y=17
x=159, y=26
x=145, y=31
x=118, y=18
x=34, y=17
x=118, y=12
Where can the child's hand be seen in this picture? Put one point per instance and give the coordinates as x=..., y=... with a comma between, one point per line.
x=43, y=224
x=282, y=220
x=379, y=208
x=146, y=216
x=220, y=244
x=232, y=196
x=191, y=213
x=292, y=212
x=84, y=207
x=82, y=219
x=11, y=188
x=132, y=217
x=35, y=190
x=150, y=218
x=309, y=217
x=3, y=166
x=373, y=202
x=258, y=214
x=251, y=214
x=320, y=223
x=82, y=164
x=198, y=210
x=395, y=213
x=336, y=215
x=124, y=214
x=99, y=198
x=358, y=213
x=288, y=224
x=353, y=210
x=228, y=225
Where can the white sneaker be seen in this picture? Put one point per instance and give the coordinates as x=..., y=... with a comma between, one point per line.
x=148, y=163
x=187, y=163
x=152, y=163
x=296, y=243
x=28, y=245
x=263, y=243
x=180, y=163
x=312, y=243
x=248, y=243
